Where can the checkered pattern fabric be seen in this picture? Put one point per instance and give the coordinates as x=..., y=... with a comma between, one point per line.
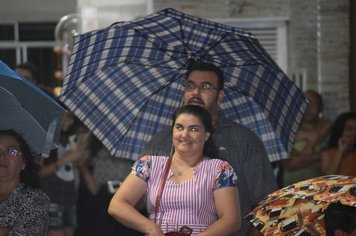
x=125, y=81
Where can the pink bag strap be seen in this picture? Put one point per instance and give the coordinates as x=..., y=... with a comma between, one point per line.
x=161, y=185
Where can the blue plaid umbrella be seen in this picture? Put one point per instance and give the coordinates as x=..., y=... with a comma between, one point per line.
x=30, y=111
x=125, y=81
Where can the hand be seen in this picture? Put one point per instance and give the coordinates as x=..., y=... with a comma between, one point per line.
x=82, y=139
x=82, y=160
x=344, y=145
x=154, y=230
x=73, y=155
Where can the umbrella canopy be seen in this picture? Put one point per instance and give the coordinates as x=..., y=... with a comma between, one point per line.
x=28, y=110
x=125, y=81
x=299, y=209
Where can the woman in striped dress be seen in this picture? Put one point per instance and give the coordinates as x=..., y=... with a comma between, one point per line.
x=200, y=190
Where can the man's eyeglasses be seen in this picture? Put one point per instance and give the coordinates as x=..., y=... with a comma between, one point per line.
x=10, y=152
x=204, y=87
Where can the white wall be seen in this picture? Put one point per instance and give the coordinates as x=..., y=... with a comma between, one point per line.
x=35, y=10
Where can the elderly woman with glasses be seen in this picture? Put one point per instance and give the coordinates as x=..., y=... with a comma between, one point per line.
x=23, y=206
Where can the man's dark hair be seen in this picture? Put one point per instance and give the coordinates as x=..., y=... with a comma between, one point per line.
x=203, y=66
x=338, y=216
x=30, y=68
x=338, y=127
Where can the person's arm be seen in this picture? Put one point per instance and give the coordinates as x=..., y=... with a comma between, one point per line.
x=229, y=216
x=330, y=164
x=87, y=176
x=68, y=157
x=300, y=160
x=122, y=206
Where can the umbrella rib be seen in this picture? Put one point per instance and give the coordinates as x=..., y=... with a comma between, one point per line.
x=165, y=51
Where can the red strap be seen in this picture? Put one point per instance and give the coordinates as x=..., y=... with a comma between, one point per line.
x=161, y=186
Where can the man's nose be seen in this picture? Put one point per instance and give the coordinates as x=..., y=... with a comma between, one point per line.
x=196, y=90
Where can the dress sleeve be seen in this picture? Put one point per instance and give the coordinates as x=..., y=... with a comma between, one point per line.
x=142, y=168
x=226, y=176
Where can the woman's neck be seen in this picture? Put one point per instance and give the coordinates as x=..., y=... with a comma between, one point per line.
x=183, y=160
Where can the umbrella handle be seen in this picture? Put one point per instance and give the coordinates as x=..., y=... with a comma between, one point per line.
x=49, y=138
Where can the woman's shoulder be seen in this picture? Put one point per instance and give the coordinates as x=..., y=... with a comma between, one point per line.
x=34, y=194
x=216, y=163
x=153, y=158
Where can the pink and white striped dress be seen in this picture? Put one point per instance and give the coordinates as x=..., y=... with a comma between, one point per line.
x=190, y=203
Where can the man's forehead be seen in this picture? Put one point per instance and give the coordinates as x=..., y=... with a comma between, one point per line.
x=198, y=75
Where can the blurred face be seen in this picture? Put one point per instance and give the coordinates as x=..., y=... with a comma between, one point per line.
x=26, y=73
x=209, y=99
x=11, y=161
x=314, y=108
x=68, y=120
x=349, y=133
x=189, y=135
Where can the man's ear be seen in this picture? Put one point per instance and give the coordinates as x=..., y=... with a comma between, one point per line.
x=221, y=96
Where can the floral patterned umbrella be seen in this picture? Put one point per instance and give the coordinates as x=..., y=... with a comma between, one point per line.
x=298, y=209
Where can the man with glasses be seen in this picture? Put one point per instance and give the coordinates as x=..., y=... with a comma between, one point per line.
x=237, y=144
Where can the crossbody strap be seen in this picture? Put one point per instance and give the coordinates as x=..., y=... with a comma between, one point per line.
x=161, y=185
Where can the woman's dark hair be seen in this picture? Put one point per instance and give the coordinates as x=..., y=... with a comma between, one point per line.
x=338, y=127
x=30, y=175
x=203, y=115
x=338, y=216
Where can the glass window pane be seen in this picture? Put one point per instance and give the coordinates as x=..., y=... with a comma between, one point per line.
x=44, y=59
x=7, y=32
x=8, y=56
x=36, y=31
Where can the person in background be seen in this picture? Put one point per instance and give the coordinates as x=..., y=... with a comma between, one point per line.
x=199, y=189
x=107, y=173
x=23, y=206
x=59, y=175
x=339, y=156
x=340, y=220
x=203, y=86
x=311, y=136
x=30, y=72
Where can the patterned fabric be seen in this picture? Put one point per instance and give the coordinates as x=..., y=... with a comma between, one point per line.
x=125, y=81
x=226, y=175
x=25, y=212
x=188, y=203
x=298, y=209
